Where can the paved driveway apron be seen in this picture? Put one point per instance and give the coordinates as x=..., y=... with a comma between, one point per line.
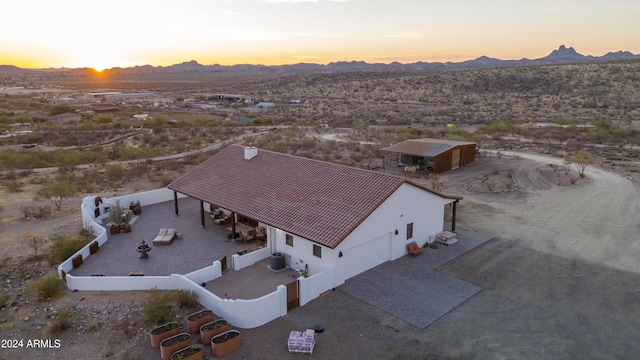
x=411, y=288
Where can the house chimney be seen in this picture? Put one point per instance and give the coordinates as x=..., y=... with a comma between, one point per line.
x=250, y=152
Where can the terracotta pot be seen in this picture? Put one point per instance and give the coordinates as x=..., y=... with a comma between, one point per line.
x=197, y=319
x=225, y=343
x=193, y=352
x=211, y=329
x=162, y=332
x=174, y=343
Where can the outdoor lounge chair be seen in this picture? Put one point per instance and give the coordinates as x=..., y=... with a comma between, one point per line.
x=414, y=249
x=165, y=237
x=248, y=235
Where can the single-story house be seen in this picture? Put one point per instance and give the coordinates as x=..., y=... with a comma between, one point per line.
x=318, y=214
x=437, y=155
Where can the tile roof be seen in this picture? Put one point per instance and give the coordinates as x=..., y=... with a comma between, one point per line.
x=313, y=199
x=425, y=147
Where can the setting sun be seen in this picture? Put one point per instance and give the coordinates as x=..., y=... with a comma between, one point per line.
x=118, y=33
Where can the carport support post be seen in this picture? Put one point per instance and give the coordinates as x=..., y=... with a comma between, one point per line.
x=202, y=213
x=175, y=202
x=233, y=225
x=453, y=217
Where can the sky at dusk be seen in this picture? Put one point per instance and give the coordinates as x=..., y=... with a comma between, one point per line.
x=105, y=34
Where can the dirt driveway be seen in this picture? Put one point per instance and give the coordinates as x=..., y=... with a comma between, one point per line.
x=596, y=219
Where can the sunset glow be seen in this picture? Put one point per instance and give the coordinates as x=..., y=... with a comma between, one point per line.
x=118, y=33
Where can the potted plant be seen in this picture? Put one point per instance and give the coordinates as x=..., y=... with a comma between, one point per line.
x=135, y=207
x=126, y=220
x=162, y=332
x=197, y=319
x=115, y=217
x=193, y=352
x=211, y=329
x=225, y=343
x=174, y=343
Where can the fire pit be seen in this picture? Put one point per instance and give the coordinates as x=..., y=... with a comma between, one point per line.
x=142, y=249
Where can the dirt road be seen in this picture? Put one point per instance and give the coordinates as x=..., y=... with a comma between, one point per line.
x=596, y=219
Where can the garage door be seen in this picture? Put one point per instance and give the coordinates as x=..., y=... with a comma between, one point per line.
x=455, y=158
x=368, y=255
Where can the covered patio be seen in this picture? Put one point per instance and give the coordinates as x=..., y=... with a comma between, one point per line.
x=196, y=248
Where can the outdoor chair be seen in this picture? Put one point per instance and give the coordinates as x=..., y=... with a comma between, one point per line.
x=165, y=237
x=414, y=249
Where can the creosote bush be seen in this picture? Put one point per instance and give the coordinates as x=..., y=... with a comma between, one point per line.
x=160, y=304
x=63, y=247
x=48, y=287
x=61, y=322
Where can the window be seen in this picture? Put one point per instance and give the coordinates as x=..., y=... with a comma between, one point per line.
x=289, y=240
x=409, y=231
x=317, y=251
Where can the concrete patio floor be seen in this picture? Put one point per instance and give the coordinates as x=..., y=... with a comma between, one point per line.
x=197, y=248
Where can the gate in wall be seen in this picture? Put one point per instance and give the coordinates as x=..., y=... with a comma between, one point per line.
x=293, y=296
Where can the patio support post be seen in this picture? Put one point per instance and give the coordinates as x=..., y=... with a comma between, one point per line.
x=233, y=225
x=202, y=213
x=453, y=217
x=175, y=202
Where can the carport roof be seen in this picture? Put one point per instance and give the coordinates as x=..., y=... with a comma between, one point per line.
x=319, y=201
x=425, y=147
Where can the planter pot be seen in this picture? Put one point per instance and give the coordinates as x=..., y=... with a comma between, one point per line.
x=211, y=329
x=174, y=343
x=94, y=247
x=197, y=319
x=77, y=261
x=162, y=332
x=137, y=211
x=126, y=228
x=193, y=352
x=114, y=229
x=225, y=343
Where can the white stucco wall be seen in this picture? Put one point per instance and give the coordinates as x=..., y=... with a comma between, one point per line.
x=408, y=204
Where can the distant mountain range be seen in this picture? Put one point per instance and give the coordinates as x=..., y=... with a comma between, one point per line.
x=563, y=55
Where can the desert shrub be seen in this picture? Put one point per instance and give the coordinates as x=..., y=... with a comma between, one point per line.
x=159, y=307
x=48, y=287
x=13, y=186
x=61, y=322
x=63, y=247
x=187, y=299
x=36, y=211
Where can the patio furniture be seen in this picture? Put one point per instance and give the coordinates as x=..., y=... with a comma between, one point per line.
x=414, y=249
x=248, y=235
x=302, y=342
x=165, y=237
x=224, y=219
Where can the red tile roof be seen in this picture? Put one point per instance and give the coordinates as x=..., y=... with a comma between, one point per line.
x=320, y=201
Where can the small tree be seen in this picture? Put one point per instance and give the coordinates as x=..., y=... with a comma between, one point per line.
x=34, y=241
x=436, y=184
x=56, y=192
x=581, y=159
